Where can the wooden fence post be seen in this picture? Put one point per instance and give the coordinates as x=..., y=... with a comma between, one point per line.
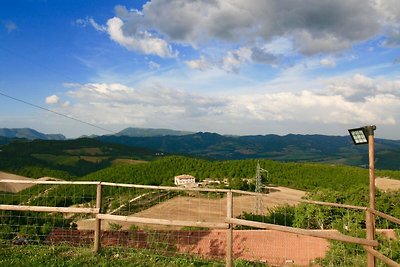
x=370, y=228
x=229, y=231
x=97, y=229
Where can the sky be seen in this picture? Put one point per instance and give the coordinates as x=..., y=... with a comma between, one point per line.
x=240, y=67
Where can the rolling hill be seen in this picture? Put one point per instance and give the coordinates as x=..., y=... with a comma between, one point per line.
x=313, y=148
x=67, y=158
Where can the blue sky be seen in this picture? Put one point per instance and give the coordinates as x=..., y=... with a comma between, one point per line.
x=226, y=66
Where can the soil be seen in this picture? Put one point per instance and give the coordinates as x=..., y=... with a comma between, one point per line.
x=11, y=187
x=386, y=184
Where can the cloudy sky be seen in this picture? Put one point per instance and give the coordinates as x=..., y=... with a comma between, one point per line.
x=240, y=67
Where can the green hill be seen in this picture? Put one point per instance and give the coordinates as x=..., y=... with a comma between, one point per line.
x=296, y=148
x=65, y=159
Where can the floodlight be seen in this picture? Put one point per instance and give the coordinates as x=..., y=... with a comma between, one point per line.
x=359, y=136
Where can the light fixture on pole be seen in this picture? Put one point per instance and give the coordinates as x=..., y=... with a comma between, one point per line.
x=359, y=135
x=365, y=135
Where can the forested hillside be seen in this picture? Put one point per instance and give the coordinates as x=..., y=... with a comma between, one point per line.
x=305, y=176
x=296, y=148
x=65, y=159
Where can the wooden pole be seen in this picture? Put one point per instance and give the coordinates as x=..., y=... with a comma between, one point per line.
x=97, y=229
x=370, y=219
x=229, y=231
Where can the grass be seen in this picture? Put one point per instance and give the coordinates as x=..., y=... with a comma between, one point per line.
x=64, y=255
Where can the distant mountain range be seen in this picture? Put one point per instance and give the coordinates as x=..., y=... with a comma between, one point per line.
x=306, y=148
x=149, y=132
x=29, y=134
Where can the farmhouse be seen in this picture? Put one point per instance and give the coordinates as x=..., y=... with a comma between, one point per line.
x=185, y=180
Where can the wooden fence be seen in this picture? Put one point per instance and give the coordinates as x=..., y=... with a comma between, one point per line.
x=228, y=223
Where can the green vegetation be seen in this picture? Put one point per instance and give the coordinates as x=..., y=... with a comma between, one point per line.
x=304, y=176
x=65, y=159
x=293, y=148
x=63, y=255
x=92, y=160
x=281, y=215
x=349, y=222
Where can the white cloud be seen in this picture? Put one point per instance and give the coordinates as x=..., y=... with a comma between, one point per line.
x=89, y=21
x=200, y=64
x=234, y=59
x=328, y=62
x=143, y=42
x=316, y=26
x=351, y=101
x=271, y=28
x=53, y=99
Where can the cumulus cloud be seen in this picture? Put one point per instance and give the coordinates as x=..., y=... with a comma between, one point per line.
x=307, y=27
x=234, y=59
x=360, y=87
x=328, y=62
x=355, y=100
x=118, y=103
x=143, y=41
x=316, y=26
x=200, y=64
x=390, y=18
x=53, y=99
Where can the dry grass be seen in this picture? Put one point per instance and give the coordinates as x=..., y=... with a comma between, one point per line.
x=387, y=184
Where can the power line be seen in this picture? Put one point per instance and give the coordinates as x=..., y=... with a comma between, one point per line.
x=57, y=113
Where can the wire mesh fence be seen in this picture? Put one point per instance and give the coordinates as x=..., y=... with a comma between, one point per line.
x=193, y=222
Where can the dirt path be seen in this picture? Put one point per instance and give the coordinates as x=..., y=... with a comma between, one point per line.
x=386, y=184
x=15, y=187
x=11, y=187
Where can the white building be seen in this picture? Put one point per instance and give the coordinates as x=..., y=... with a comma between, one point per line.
x=185, y=179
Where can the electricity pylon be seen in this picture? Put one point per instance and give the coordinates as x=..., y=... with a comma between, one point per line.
x=259, y=188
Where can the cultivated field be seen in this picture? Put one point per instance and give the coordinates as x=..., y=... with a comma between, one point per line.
x=202, y=208
x=15, y=188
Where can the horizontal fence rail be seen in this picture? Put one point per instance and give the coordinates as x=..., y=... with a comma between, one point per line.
x=49, y=209
x=314, y=233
